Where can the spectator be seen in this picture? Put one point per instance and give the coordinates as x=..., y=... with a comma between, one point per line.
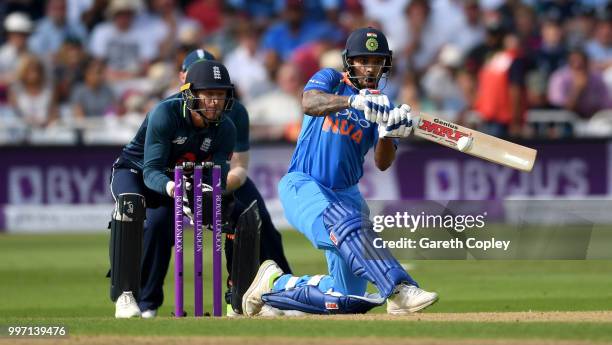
x=207, y=13
x=307, y=57
x=425, y=39
x=164, y=24
x=440, y=83
x=409, y=93
x=94, y=14
x=34, y=8
x=245, y=64
x=122, y=43
x=18, y=27
x=31, y=96
x=324, y=9
x=160, y=77
x=471, y=28
x=577, y=88
x=526, y=27
x=500, y=97
x=390, y=15
x=599, y=48
x=281, y=39
x=352, y=17
x=278, y=113
x=75, y=10
x=68, y=68
x=260, y=11
x=177, y=69
x=561, y=9
x=546, y=59
x=580, y=28
x=53, y=29
x=93, y=97
x=494, y=38
x=332, y=59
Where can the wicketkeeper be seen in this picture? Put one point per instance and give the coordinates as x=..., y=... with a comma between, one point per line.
x=189, y=126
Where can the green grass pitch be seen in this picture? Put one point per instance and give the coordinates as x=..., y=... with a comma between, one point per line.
x=60, y=279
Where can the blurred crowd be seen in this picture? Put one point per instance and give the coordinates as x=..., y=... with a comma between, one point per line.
x=89, y=70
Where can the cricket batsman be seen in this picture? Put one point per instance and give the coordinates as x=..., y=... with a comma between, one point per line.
x=189, y=126
x=345, y=116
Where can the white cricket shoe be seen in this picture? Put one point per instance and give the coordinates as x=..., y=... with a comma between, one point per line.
x=149, y=314
x=126, y=306
x=229, y=311
x=266, y=311
x=409, y=299
x=269, y=311
x=263, y=283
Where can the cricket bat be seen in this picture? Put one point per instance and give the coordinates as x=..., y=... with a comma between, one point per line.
x=474, y=143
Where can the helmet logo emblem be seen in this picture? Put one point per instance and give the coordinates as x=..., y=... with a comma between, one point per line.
x=371, y=44
x=216, y=72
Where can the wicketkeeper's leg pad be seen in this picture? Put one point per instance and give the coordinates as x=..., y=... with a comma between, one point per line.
x=245, y=261
x=127, y=228
x=353, y=235
x=310, y=299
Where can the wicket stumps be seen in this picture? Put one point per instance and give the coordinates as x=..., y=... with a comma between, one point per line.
x=198, y=239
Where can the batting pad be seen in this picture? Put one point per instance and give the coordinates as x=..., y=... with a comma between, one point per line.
x=351, y=232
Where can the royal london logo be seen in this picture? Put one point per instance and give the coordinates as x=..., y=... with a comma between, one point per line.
x=179, y=140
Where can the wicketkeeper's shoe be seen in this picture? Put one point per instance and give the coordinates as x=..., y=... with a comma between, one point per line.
x=263, y=283
x=409, y=299
x=126, y=306
x=149, y=314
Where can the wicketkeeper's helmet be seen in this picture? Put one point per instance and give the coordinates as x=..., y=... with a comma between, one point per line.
x=207, y=75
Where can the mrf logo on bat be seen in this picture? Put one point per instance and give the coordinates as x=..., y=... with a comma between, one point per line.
x=442, y=130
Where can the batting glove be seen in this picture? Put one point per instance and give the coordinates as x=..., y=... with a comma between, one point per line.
x=374, y=104
x=399, y=124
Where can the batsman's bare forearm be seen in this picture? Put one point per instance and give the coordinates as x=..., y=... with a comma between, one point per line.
x=319, y=103
x=384, y=154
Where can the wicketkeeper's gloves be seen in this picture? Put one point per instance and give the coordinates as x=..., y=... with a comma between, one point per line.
x=227, y=206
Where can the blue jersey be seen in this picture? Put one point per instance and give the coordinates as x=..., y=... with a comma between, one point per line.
x=332, y=148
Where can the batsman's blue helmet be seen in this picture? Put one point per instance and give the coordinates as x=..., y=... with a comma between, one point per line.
x=367, y=42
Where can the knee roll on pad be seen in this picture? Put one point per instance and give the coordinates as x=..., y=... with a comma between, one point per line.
x=310, y=299
x=351, y=232
x=127, y=228
x=130, y=207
